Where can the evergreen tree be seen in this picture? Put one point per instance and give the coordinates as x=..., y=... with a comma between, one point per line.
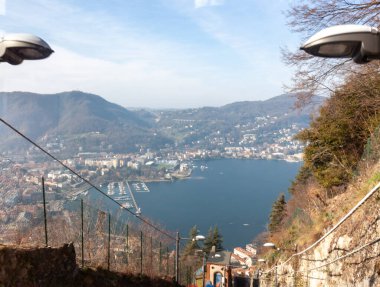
x=192, y=245
x=214, y=238
x=278, y=213
x=208, y=241
x=218, y=239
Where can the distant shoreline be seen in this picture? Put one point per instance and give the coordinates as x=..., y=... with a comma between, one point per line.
x=149, y=180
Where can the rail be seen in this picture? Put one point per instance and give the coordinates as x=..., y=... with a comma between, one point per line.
x=304, y=272
x=344, y=256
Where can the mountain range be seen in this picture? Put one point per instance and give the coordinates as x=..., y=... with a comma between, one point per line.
x=92, y=123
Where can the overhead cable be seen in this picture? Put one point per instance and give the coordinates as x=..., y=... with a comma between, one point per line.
x=85, y=180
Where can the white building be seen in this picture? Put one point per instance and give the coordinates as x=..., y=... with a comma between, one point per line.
x=251, y=248
x=245, y=255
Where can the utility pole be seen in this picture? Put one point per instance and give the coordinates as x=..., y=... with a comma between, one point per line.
x=275, y=276
x=177, y=257
x=44, y=203
x=204, y=269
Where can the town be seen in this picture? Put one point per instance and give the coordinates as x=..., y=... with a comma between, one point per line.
x=22, y=172
x=120, y=175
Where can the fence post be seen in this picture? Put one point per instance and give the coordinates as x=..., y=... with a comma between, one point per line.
x=44, y=203
x=151, y=255
x=176, y=258
x=127, y=247
x=275, y=276
x=82, y=231
x=109, y=242
x=141, y=252
x=160, y=260
x=296, y=266
x=188, y=277
x=167, y=261
x=174, y=269
x=307, y=270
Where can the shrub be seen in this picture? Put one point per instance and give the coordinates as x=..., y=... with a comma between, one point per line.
x=337, y=137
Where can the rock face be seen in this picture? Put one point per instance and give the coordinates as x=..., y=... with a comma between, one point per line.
x=37, y=266
x=350, y=256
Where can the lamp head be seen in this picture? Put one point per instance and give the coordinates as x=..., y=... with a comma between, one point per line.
x=261, y=260
x=14, y=48
x=199, y=238
x=269, y=244
x=362, y=43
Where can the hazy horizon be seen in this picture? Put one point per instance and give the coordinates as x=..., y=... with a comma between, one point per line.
x=154, y=108
x=156, y=54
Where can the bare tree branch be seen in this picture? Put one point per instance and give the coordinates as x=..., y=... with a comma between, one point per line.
x=319, y=75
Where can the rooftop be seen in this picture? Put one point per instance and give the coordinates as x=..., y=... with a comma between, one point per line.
x=220, y=258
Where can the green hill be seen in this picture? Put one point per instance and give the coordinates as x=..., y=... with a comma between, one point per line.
x=88, y=122
x=70, y=114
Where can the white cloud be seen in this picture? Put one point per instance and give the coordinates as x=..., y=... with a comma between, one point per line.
x=138, y=69
x=132, y=84
x=2, y=7
x=127, y=63
x=203, y=3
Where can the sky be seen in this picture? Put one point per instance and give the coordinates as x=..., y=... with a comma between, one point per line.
x=153, y=53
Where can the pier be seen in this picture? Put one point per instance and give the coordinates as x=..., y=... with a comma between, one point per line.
x=138, y=210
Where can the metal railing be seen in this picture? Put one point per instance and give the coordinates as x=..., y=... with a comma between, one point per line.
x=295, y=256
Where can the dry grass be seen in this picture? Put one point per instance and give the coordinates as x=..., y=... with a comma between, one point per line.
x=323, y=212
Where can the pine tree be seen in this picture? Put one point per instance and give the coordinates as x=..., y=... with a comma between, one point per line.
x=214, y=238
x=278, y=213
x=208, y=241
x=192, y=245
x=218, y=239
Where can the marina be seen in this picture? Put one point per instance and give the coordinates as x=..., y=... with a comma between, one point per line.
x=140, y=187
x=122, y=192
x=122, y=198
x=111, y=188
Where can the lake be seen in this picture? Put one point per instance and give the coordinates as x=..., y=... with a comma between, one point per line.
x=236, y=195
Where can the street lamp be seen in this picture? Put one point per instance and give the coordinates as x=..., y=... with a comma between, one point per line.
x=15, y=48
x=178, y=238
x=203, y=266
x=359, y=42
x=258, y=271
x=261, y=260
x=197, y=238
x=273, y=246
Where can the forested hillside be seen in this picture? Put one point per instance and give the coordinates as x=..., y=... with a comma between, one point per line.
x=91, y=123
x=81, y=119
x=332, y=217
x=342, y=143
